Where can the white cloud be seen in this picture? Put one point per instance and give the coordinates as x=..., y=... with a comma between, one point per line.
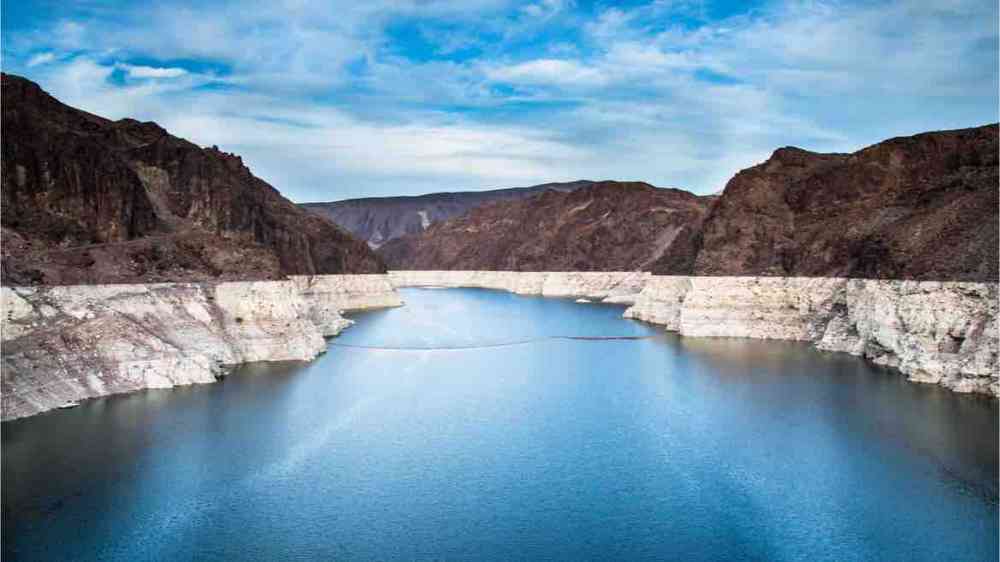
x=325, y=105
x=547, y=71
x=41, y=58
x=151, y=72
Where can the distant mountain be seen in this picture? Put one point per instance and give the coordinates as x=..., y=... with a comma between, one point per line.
x=380, y=219
x=610, y=226
x=89, y=200
x=923, y=207
x=920, y=207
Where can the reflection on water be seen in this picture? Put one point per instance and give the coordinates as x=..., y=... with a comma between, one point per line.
x=655, y=448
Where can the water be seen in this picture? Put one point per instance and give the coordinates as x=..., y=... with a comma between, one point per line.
x=555, y=449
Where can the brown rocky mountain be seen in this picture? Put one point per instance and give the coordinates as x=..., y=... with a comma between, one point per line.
x=89, y=200
x=921, y=207
x=380, y=219
x=605, y=226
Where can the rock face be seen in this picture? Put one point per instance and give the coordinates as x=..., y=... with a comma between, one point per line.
x=607, y=226
x=89, y=200
x=65, y=344
x=921, y=207
x=380, y=219
x=944, y=333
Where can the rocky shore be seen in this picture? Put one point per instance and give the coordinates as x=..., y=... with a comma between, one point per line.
x=64, y=344
x=621, y=287
x=933, y=332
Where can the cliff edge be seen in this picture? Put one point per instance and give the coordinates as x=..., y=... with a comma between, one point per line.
x=90, y=200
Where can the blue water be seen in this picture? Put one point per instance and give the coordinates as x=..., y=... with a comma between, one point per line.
x=555, y=449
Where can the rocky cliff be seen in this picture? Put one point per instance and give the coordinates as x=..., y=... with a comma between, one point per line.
x=89, y=200
x=68, y=343
x=378, y=220
x=922, y=207
x=607, y=226
x=934, y=332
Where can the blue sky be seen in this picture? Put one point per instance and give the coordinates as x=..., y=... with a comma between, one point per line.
x=330, y=100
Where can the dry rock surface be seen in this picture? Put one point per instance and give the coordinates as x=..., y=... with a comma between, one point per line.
x=67, y=343
x=89, y=200
x=921, y=208
x=605, y=226
x=378, y=220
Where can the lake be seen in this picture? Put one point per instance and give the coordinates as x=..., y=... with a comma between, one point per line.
x=459, y=428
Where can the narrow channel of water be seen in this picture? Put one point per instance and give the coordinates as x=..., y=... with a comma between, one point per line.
x=448, y=443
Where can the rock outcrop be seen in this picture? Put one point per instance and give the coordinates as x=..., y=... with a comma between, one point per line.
x=378, y=220
x=68, y=343
x=938, y=332
x=89, y=200
x=935, y=332
x=607, y=226
x=923, y=207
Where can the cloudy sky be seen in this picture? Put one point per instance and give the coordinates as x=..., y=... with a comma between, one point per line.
x=330, y=100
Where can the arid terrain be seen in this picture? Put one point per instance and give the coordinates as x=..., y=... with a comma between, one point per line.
x=607, y=226
x=921, y=207
x=89, y=200
x=378, y=220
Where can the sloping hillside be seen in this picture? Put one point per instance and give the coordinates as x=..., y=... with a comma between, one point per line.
x=89, y=200
x=380, y=219
x=920, y=207
x=606, y=226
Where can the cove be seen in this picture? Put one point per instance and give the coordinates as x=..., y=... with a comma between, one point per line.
x=474, y=424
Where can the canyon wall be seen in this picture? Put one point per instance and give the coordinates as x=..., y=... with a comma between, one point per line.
x=67, y=343
x=934, y=332
x=86, y=200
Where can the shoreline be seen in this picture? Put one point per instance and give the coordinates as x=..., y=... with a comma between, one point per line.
x=65, y=344
x=936, y=332
x=70, y=343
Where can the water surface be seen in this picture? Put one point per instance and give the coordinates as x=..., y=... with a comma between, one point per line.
x=554, y=449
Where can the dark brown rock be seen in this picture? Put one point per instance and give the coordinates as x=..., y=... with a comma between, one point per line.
x=380, y=219
x=89, y=200
x=922, y=207
x=607, y=226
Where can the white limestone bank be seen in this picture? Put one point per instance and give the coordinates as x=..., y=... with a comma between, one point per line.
x=65, y=344
x=620, y=287
x=933, y=332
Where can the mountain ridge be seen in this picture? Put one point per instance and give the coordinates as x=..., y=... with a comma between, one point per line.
x=921, y=207
x=378, y=220
x=605, y=226
x=91, y=200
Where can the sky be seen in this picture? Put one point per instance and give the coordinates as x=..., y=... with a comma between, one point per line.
x=334, y=100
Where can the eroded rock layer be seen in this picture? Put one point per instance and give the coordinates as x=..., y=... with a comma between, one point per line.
x=68, y=343
x=620, y=287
